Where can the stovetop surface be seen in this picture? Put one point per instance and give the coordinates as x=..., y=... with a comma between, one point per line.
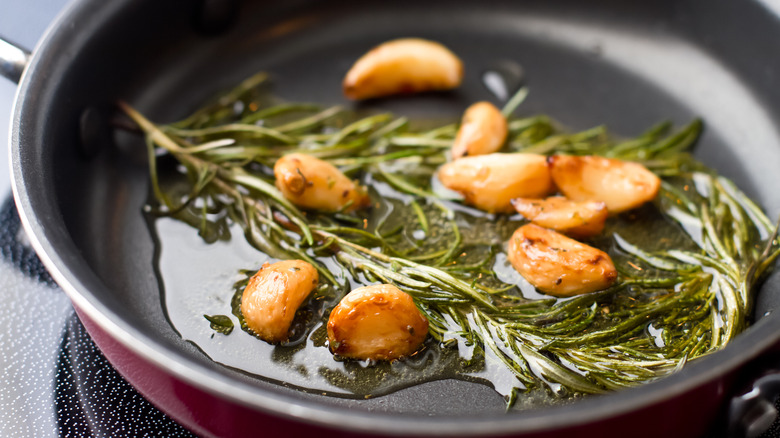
x=53, y=379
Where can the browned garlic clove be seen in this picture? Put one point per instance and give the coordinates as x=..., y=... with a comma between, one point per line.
x=314, y=184
x=403, y=66
x=490, y=182
x=622, y=185
x=377, y=322
x=577, y=219
x=482, y=131
x=558, y=265
x=274, y=294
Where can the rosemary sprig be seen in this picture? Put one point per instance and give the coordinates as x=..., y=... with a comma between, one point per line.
x=668, y=307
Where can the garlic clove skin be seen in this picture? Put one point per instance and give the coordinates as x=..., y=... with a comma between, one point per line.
x=577, y=219
x=314, y=184
x=377, y=322
x=558, y=265
x=622, y=185
x=403, y=66
x=274, y=294
x=483, y=130
x=490, y=182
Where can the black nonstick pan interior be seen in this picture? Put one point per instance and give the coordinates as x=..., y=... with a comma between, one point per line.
x=628, y=65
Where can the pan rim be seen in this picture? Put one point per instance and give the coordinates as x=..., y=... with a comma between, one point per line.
x=760, y=337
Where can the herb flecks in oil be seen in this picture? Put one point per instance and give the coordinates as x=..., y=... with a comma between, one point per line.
x=220, y=323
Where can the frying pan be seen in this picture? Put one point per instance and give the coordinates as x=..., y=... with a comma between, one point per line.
x=80, y=186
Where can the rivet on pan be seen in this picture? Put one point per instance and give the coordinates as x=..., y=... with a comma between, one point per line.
x=94, y=132
x=215, y=16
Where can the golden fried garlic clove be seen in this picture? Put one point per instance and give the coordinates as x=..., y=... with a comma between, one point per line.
x=377, y=322
x=490, y=182
x=403, y=66
x=482, y=131
x=622, y=185
x=314, y=184
x=273, y=295
x=577, y=219
x=558, y=265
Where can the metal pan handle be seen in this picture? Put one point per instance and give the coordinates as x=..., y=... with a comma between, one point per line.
x=13, y=60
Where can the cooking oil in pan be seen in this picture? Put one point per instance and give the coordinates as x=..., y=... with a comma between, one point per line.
x=202, y=278
x=204, y=275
